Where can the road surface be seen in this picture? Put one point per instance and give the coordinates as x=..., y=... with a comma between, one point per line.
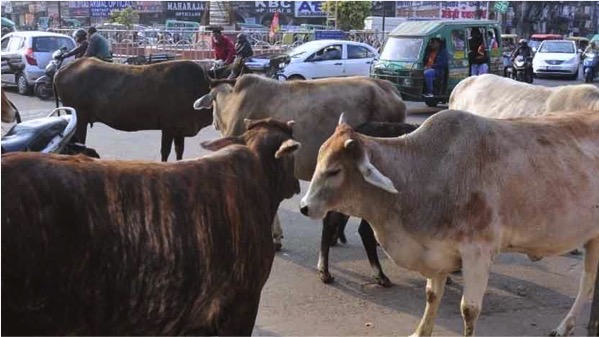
x=523, y=297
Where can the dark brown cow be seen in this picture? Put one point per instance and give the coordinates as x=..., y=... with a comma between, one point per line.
x=132, y=98
x=136, y=248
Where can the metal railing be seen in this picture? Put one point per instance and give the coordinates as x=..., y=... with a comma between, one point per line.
x=196, y=45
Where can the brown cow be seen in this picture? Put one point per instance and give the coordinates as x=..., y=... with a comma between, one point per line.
x=315, y=106
x=132, y=98
x=95, y=247
x=463, y=188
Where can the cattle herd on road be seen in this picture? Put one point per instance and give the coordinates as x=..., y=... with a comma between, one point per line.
x=94, y=247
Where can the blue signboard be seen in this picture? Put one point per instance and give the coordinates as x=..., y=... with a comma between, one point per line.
x=104, y=8
x=329, y=35
x=309, y=9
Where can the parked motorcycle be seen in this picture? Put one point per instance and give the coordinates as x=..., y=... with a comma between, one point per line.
x=51, y=134
x=522, y=69
x=44, y=86
x=589, y=67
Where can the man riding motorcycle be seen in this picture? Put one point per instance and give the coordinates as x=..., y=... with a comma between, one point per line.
x=80, y=37
x=525, y=51
x=98, y=46
x=244, y=51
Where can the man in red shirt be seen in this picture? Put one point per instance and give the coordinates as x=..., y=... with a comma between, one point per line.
x=223, y=47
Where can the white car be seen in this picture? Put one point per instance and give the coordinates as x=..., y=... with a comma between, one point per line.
x=330, y=58
x=556, y=57
x=35, y=50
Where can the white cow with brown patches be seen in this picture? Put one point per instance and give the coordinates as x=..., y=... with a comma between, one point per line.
x=500, y=97
x=463, y=188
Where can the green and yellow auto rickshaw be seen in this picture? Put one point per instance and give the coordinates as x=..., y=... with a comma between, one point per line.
x=402, y=59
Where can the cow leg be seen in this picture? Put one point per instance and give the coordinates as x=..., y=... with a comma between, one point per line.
x=167, y=143
x=81, y=129
x=435, y=287
x=277, y=233
x=585, y=291
x=330, y=225
x=179, y=146
x=369, y=242
x=476, y=263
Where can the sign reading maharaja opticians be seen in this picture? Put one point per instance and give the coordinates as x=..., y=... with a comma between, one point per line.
x=185, y=10
x=285, y=7
x=309, y=9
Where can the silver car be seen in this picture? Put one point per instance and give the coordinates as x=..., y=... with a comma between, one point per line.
x=35, y=51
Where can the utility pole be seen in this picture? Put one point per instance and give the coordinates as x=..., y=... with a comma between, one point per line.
x=335, y=15
x=59, y=16
x=383, y=5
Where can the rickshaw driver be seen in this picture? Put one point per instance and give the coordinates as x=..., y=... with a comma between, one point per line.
x=435, y=63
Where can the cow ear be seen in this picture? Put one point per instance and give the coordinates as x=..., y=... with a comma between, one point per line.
x=217, y=144
x=373, y=176
x=288, y=147
x=205, y=102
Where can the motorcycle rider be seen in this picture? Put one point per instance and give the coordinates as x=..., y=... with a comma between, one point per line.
x=223, y=47
x=592, y=48
x=98, y=46
x=244, y=51
x=525, y=51
x=80, y=37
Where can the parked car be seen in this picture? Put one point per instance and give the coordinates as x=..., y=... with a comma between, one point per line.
x=330, y=58
x=35, y=49
x=556, y=57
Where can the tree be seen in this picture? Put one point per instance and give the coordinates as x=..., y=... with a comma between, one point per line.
x=127, y=17
x=350, y=14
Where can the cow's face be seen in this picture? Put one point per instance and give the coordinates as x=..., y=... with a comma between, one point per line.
x=211, y=101
x=272, y=142
x=343, y=165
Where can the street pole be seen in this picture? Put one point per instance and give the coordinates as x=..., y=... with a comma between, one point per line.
x=383, y=37
x=594, y=321
x=335, y=15
x=59, y=16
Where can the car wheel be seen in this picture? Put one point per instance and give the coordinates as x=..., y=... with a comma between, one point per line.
x=22, y=86
x=295, y=78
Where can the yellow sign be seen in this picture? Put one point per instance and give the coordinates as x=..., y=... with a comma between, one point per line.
x=459, y=55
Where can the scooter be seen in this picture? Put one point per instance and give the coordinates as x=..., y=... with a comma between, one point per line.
x=44, y=86
x=589, y=67
x=51, y=134
x=522, y=71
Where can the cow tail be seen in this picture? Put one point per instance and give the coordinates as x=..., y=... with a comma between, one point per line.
x=55, y=94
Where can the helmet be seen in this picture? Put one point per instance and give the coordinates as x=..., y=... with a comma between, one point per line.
x=79, y=34
x=241, y=37
x=523, y=42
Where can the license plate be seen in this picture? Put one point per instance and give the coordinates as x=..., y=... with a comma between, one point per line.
x=553, y=67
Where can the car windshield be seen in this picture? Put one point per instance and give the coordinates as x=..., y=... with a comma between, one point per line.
x=402, y=49
x=302, y=49
x=557, y=47
x=51, y=43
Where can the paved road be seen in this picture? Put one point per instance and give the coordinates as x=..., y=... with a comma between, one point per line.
x=523, y=298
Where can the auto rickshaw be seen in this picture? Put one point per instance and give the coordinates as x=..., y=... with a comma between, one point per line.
x=402, y=59
x=536, y=39
x=581, y=42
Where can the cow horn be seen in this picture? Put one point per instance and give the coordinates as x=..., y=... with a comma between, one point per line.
x=290, y=123
x=373, y=176
x=342, y=119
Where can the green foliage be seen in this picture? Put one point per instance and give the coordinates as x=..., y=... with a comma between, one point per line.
x=350, y=14
x=127, y=17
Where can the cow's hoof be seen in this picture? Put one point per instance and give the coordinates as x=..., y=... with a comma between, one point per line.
x=278, y=247
x=342, y=238
x=326, y=277
x=383, y=280
x=576, y=252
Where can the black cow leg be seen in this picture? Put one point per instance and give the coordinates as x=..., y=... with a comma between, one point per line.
x=330, y=226
x=369, y=242
x=179, y=146
x=167, y=144
x=81, y=129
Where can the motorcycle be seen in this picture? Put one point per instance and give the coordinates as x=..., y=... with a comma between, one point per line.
x=44, y=86
x=522, y=69
x=589, y=67
x=51, y=134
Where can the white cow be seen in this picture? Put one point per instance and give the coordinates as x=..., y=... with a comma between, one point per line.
x=463, y=188
x=500, y=97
